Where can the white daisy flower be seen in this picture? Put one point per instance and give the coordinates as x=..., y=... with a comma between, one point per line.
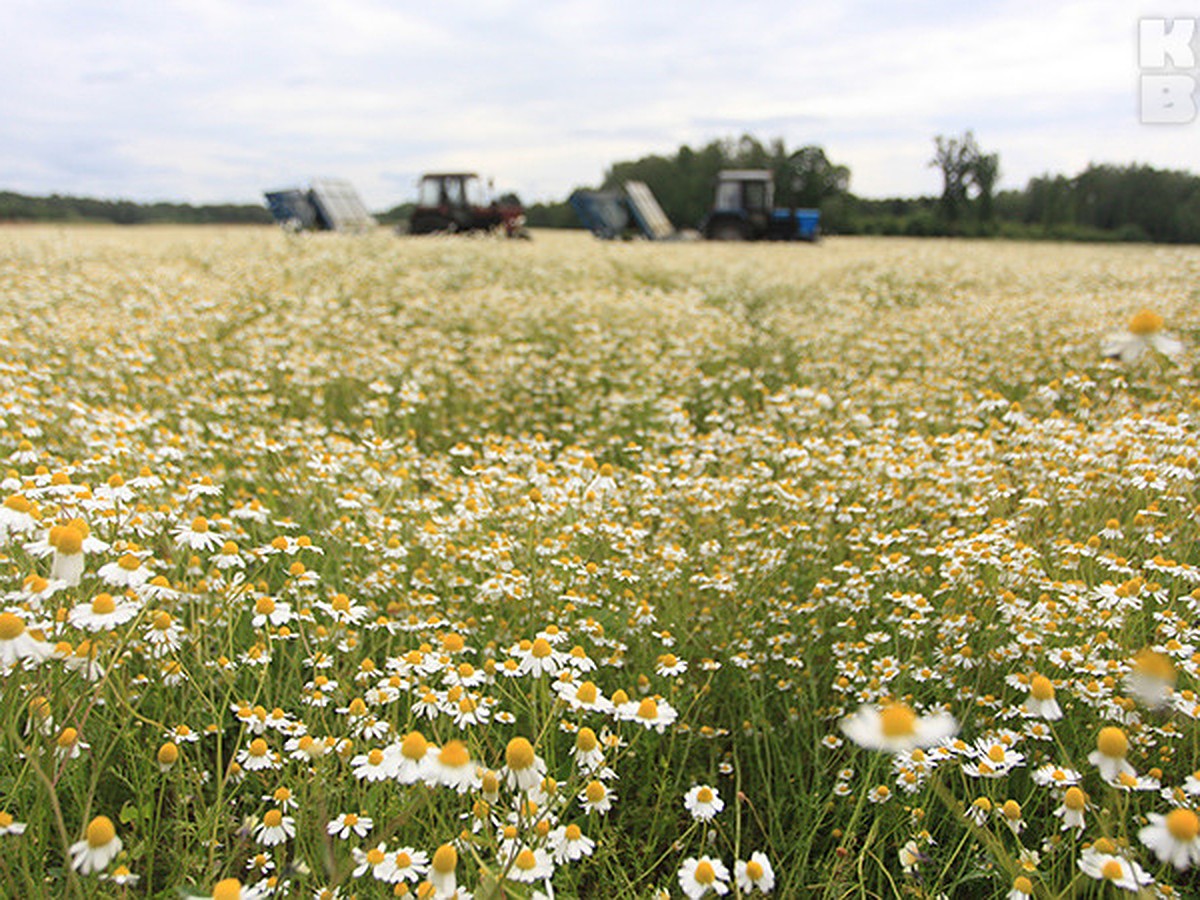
x=99, y=847
x=754, y=874
x=1174, y=838
x=703, y=802
x=698, y=877
x=896, y=727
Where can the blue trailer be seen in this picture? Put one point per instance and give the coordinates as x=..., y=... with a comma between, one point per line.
x=613, y=214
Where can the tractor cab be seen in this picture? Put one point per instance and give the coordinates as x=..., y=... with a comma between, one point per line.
x=451, y=192
x=459, y=202
x=742, y=205
x=748, y=190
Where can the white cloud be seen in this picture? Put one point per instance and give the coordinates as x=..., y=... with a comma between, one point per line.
x=219, y=99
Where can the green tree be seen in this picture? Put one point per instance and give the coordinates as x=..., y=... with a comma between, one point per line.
x=968, y=175
x=810, y=179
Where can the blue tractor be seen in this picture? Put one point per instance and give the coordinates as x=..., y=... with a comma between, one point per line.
x=744, y=210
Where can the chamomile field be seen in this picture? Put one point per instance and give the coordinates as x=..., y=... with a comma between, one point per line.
x=374, y=567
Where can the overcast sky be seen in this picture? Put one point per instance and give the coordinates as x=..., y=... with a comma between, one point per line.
x=217, y=100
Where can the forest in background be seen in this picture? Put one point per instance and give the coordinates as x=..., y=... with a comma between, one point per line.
x=1104, y=202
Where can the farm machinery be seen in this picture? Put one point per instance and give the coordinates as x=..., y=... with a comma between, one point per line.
x=455, y=202
x=329, y=204
x=743, y=210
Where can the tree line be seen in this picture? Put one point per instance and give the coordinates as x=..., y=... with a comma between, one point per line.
x=16, y=207
x=1104, y=202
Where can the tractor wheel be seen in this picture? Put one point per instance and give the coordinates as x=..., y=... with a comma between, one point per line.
x=727, y=231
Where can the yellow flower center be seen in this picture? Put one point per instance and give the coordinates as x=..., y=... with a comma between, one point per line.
x=586, y=740
x=996, y=753
x=129, y=562
x=1022, y=885
x=258, y=747
x=273, y=818
x=595, y=791
x=1012, y=809
x=704, y=795
x=1145, y=322
x=526, y=861
x=402, y=860
x=104, y=605
x=375, y=856
x=229, y=889
x=519, y=754
x=454, y=754
x=264, y=606
x=445, y=859
x=11, y=626
x=67, y=738
x=1041, y=688
x=168, y=753
x=66, y=539
x=1111, y=871
x=1074, y=799
x=6, y=819
x=754, y=870
x=898, y=720
x=1154, y=665
x=18, y=503
x=573, y=832
x=648, y=709
x=200, y=524
x=1111, y=742
x=705, y=873
x=1183, y=824
x=541, y=648
x=375, y=757
x=414, y=746
x=100, y=831
x=586, y=693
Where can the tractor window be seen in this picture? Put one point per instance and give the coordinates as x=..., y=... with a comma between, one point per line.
x=431, y=193
x=729, y=195
x=454, y=192
x=476, y=193
x=756, y=195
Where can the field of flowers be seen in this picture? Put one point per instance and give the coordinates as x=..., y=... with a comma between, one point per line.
x=378, y=567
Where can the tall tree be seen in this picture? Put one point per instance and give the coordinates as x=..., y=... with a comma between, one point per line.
x=955, y=157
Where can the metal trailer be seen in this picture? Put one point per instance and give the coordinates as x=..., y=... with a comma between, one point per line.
x=613, y=214
x=330, y=204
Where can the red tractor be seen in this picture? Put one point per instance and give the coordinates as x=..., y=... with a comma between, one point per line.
x=452, y=202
